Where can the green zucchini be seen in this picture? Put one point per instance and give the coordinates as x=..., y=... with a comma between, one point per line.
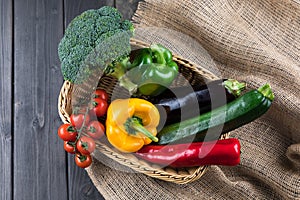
x=210, y=125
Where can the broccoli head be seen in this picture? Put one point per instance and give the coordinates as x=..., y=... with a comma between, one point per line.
x=88, y=43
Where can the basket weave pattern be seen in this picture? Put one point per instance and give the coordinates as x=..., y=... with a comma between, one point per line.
x=191, y=73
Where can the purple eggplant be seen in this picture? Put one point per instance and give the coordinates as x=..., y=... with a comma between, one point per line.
x=183, y=102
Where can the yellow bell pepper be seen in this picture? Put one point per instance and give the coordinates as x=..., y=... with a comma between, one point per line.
x=131, y=124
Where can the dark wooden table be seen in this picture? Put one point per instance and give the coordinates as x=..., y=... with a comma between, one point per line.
x=33, y=164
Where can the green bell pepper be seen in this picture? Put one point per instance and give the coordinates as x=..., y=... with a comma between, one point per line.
x=161, y=54
x=152, y=69
x=148, y=71
x=141, y=56
x=152, y=79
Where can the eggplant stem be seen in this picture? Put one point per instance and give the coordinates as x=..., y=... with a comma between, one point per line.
x=234, y=87
x=267, y=91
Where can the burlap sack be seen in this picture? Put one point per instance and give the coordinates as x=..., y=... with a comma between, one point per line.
x=253, y=41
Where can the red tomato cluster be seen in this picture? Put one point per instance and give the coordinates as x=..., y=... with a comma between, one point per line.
x=74, y=141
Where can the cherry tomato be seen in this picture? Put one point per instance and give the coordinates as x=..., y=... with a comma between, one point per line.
x=67, y=132
x=100, y=107
x=95, y=129
x=83, y=161
x=69, y=147
x=78, y=119
x=85, y=145
x=101, y=94
x=93, y=116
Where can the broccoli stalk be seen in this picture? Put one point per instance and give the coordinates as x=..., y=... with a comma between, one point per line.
x=94, y=40
x=118, y=70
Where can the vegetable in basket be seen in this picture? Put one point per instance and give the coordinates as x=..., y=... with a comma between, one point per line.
x=156, y=74
x=131, y=124
x=221, y=152
x=151, y=70
x=67, y=132
x=184, y=102
x=163, y=55
x=156, y=53
x=83, y=161
x=152, y=79
x=79, y=136
x=92, y=39
x=242, y=110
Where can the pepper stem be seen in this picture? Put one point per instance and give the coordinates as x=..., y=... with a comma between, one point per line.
x=118, y=70
x=134, y=123
x=234, y=87
x=266, y=91
x=128, y=84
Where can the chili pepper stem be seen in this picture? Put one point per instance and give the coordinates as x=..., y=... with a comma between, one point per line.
x=234, y=87
x=134, y=124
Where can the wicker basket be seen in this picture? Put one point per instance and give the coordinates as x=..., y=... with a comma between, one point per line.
x=190, y=72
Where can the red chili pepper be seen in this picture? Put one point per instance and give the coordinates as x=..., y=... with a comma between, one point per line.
x=221, y=152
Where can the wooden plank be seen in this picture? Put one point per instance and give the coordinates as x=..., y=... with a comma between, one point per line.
x=39, y=158
x=127, y=9
x=73, y=9
x=80, y=185
x=6, y=66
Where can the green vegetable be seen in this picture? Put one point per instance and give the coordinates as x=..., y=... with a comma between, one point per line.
x=92, y=40
x=243, y=110
x=162, y=55
x=152, y=79
x=152, y=70
x=141, y=56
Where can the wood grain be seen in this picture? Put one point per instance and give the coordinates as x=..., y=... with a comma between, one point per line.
x=127, y=9
x=74, y=8
x=39, y=159
x=6, y=66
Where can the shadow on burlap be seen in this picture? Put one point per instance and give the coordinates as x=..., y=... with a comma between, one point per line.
x=252, y=41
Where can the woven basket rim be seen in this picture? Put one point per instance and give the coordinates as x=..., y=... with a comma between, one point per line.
x=166, y=174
